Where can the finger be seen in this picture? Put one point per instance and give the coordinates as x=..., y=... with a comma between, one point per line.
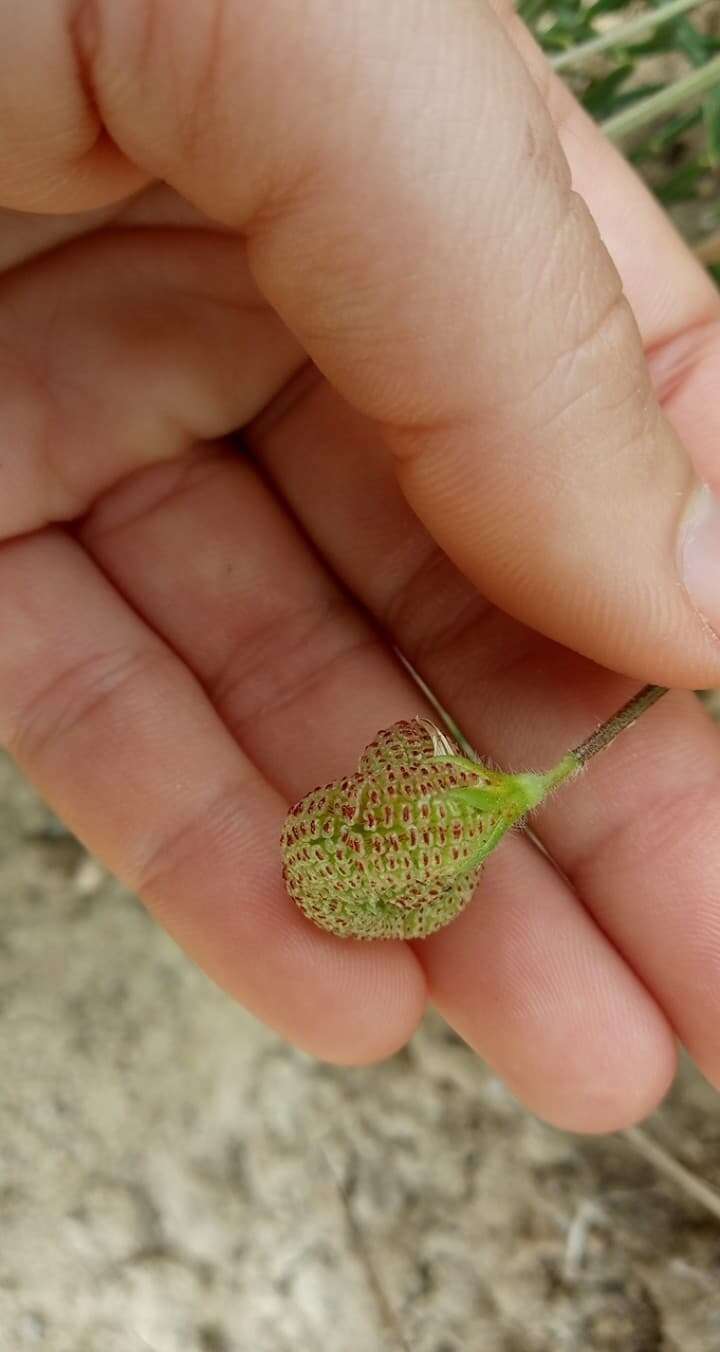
x=424, y=245
x=55, y=154
x=676, y=304
x=122, y=741
x=303, y=682
x=124, y=349
x=26, y=235
x=636, y=834
x=299, y=677
x=551, y=1009
x=638, y=839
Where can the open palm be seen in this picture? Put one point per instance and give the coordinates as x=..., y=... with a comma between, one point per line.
x=199, y=623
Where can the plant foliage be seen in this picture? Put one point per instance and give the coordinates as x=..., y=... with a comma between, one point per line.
x=677, y=153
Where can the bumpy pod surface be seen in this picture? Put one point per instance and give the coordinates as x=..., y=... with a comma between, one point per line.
x=394, y=851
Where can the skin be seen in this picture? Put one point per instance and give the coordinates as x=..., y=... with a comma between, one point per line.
x=294, y=219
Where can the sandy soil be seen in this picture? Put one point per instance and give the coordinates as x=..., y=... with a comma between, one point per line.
x=173, y=1178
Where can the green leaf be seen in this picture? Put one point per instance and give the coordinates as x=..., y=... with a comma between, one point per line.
x=634, y=95
x=697, y=47
x=606, y=7
x=532, y=10
x=600, y=97
x=665, y=138
x=681, y=186
x=678, y=164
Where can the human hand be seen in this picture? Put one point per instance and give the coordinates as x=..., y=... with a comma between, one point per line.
x=200, y=198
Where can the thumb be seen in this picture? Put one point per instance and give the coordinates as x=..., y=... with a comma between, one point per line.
x=408, y=211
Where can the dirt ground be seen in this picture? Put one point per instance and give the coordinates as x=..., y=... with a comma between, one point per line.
x=174, y=1179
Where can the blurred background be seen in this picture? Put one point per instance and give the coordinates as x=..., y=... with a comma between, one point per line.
x=173, y=1178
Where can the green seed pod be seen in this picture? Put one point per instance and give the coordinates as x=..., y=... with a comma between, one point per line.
x=395, y=850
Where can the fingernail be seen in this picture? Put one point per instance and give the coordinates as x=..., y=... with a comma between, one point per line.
x=700, y=554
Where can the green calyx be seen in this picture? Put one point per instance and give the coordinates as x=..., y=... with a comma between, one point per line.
x=395, y=850
x=518, y=794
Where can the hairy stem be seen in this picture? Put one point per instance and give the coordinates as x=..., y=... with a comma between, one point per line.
x=574, y=761
x=624, y=718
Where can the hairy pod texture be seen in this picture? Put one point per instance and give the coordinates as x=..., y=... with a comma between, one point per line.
x=394, y=851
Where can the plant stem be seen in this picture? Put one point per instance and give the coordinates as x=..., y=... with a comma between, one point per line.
x=573, y=762
x=639, y=114
x=624, y=718
x=534, y=788
x=666, y=1163
x=617, y=35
